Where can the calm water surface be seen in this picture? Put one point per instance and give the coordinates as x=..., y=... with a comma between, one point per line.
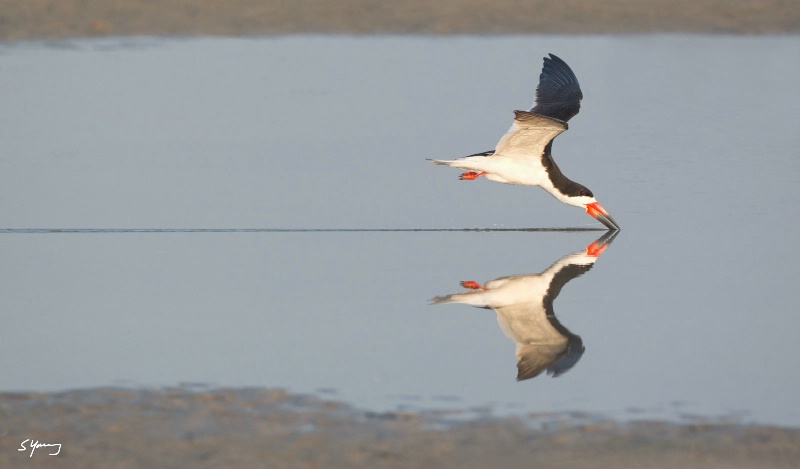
x=688, y=141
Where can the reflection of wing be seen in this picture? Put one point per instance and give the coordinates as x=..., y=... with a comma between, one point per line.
x=533, y=359
x=527, y=324
x=561, y=277
x=574, y=352
x=557, y=357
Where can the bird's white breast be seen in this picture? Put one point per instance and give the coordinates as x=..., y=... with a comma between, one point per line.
x=511, y=170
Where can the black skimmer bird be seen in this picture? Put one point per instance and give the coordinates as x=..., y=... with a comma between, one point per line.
x=524, y=307
x=522, y=156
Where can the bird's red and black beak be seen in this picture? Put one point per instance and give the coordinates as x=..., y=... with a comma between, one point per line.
x=598, y=212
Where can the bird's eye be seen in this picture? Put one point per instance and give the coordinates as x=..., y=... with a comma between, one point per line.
x=584, y=193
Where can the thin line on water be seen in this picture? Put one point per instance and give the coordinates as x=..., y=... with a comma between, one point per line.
x=283, y=230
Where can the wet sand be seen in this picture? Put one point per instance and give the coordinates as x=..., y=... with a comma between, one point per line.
x=179, y=427
x=60, y=19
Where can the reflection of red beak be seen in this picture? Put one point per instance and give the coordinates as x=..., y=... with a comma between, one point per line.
x=601, y=244
x=599, y=213
x=595, y=249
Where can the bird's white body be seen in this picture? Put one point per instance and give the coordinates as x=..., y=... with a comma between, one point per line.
x=520, y=155
x=501, y=168
x=517, y=171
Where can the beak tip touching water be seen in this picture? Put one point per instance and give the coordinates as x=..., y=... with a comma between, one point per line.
x=609, y=222
x=599, y=213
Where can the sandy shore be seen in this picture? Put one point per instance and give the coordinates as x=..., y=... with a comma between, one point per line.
x=60, y=19
x=178, y=428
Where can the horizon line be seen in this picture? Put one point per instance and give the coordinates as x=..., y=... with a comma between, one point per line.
x=286, y=230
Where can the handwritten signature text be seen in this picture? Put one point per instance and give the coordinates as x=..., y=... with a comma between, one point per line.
x=34, y=445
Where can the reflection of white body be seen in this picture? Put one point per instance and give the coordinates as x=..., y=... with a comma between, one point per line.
x=524, y=307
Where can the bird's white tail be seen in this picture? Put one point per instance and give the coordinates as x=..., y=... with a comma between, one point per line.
x=471, y=163
x=472, y=298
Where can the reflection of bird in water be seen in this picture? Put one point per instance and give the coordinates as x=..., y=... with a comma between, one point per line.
x=524, y=307
x=522, y=156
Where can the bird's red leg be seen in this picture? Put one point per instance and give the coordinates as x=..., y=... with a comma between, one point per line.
x=470, y=176
x=472, y=285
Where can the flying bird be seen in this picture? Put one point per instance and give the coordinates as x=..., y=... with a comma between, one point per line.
x=523, y=155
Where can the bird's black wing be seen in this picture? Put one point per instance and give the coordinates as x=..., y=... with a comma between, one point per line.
x=558, y=94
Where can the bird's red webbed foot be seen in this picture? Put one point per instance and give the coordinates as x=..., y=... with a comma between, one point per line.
x=472, y=285
x=470, y=175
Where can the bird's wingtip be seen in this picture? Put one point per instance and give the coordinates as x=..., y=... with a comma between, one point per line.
x=554, y=58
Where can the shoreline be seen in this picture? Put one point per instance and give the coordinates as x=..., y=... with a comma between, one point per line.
x=70, y=19
x=248, y=427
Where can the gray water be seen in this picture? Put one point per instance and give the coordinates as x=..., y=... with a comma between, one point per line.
x=690, y=142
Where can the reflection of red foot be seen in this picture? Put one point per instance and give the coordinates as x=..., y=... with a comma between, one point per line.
x=472, y=285
x=470, y=176
x=595, y=249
